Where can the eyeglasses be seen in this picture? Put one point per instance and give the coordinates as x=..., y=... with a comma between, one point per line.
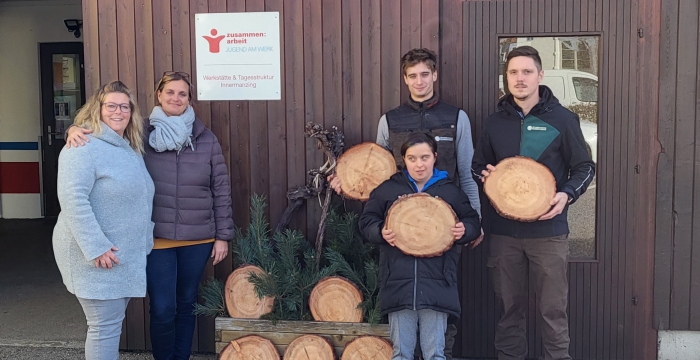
x=181, y=73
x=112, y=107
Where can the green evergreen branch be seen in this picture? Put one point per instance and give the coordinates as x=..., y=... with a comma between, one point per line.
x=288, y=261
x=212, y=292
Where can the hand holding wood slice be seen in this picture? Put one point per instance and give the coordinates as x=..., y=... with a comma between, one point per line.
x=335, y=299
x=367, y=347
x=309, y=346
x=248, y=348
x=520, y=188
x=422, y=224
x=362, y=168
x=241, y=299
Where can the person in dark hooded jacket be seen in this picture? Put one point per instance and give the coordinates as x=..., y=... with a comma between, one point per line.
x=531, y=122
x=418, y=292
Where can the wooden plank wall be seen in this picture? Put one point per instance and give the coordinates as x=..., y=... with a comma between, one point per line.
x=602, y=312
x=341, y=67
x=677, y=290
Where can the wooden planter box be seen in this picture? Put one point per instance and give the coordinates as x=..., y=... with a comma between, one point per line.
x=281, y=333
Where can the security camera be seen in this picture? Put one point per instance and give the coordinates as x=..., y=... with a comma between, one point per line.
x=74, y=26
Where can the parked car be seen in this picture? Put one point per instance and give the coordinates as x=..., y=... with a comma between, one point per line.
x=577, y=91
x=590, y=134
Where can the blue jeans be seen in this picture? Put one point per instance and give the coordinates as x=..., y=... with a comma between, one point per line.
x=173, y=277
x=403, y=328
x=104, y=320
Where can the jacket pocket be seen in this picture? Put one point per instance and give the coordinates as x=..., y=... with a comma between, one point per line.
x=450, y=271
x=384, y=275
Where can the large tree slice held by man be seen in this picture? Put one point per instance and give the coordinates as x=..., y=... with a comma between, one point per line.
x=520, y=188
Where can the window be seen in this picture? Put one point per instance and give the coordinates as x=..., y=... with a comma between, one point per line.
x=579, y=53
x=586, y=89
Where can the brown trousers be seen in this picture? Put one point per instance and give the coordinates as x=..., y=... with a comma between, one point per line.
x=544, y=261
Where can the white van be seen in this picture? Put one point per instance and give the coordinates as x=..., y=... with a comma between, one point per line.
x=573, y=87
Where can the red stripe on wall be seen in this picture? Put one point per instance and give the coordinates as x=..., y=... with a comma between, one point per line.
x=19, y=178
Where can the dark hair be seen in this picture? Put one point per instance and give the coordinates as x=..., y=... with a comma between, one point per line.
x=527, y=51
x=418, y=138
x=169, y=76
x=417, y=56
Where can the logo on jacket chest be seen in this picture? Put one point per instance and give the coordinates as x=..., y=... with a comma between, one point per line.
x=536, y=128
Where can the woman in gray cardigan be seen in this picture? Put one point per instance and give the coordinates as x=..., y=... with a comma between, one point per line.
x=104, y=233
x=191, y=210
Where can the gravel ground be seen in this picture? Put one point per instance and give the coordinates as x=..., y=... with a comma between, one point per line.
x=54, y=353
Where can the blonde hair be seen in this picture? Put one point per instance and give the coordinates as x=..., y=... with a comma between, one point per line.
x=170, y=76
x=90, y=116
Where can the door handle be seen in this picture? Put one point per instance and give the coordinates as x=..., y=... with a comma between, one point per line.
x=51, y=135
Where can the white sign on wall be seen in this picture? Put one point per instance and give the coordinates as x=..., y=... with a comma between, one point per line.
x=238, y=56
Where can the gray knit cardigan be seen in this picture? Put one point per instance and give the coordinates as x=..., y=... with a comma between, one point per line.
x=106, y=197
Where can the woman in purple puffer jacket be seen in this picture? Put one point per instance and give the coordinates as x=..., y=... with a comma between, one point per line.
x=191, y=210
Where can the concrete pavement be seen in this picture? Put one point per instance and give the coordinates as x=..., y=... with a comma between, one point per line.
x=39, y=318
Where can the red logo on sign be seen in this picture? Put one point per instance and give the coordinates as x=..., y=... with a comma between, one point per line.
x=214, y=41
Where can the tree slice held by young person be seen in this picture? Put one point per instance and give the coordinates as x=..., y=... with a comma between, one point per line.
x=422, y=224
x=362, y=168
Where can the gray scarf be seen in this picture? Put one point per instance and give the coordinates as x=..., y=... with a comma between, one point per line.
x=171, y=132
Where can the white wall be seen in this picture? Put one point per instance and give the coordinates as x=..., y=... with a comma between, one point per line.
x=23, y=25
x=679, y=345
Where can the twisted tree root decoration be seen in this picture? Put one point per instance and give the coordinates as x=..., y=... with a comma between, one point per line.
x=331, y=142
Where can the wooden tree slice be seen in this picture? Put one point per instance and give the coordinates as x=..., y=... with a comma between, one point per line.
x=307, y=347
x=422, y=224
x=521, y=188
x=241, y=300
x=366, y=348
x=251, y=347
x=335, y=299
x=362, y=168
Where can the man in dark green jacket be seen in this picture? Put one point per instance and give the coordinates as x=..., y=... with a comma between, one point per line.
x=531, y=122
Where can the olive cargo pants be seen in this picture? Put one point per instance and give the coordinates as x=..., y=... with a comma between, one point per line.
x=544, y=260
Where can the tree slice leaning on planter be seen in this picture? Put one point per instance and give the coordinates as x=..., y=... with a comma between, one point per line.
x=367, y=347
x=249, y=347
x=362, y=168
x=309, y=346
x=335, y=299
x=422, y=224
x=241, y=300
x=521, y=188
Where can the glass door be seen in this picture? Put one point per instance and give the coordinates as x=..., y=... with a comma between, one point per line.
x=62, y=94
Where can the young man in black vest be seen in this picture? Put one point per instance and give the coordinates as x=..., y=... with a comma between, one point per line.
x=531, y=122
x=449, y=125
